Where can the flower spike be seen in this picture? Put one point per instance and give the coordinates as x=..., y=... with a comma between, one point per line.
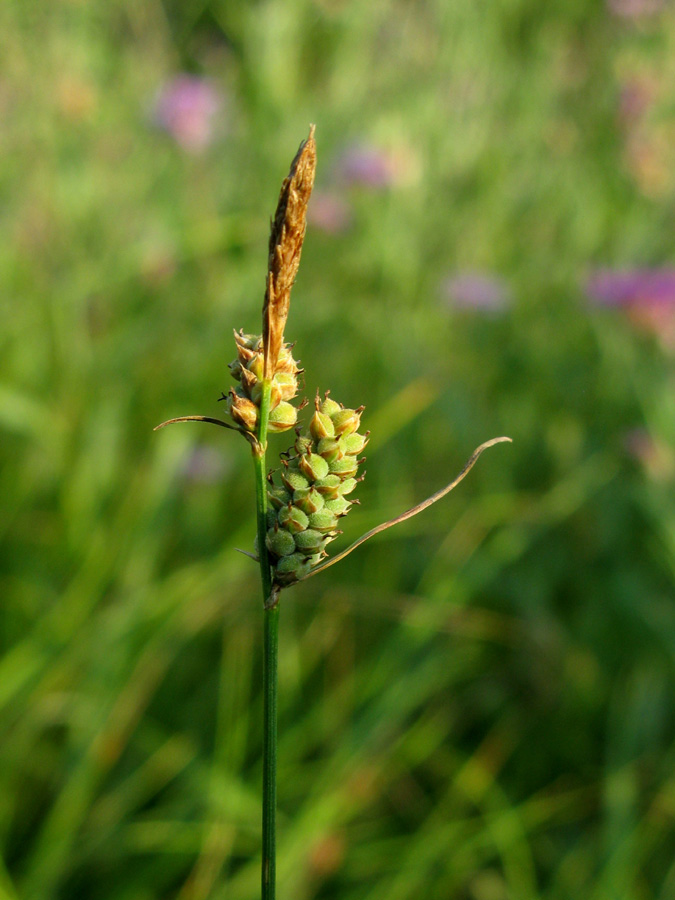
x=285, y=247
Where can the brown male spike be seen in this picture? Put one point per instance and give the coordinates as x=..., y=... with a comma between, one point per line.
x=285, y=247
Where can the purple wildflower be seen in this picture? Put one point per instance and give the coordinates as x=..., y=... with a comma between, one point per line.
x=204, y=465
x=638, y=443
x=632, y=287
x=655, y=457
x=186, y=108
x=367, y=165
x=329, y=212
x=635, y=9
x=475, y=290
x=636, y=96
x=647, y=295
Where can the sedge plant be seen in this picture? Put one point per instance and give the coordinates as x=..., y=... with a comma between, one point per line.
x=298, y=506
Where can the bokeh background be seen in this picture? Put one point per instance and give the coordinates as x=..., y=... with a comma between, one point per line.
x=477, y=705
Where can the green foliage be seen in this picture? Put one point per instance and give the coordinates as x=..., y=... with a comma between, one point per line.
x=476, y=705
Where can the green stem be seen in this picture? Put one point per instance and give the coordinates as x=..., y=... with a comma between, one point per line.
x=270, y=752
x=270, y=656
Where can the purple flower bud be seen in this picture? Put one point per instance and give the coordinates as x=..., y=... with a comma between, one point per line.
x=186, y=108
x=475, y=290
x=647, y=296
x=329, y=212
x=655, y=457
x=366, y=165
x=632, y=287
x=635, y=9
x=205, y=465
x=636, y=96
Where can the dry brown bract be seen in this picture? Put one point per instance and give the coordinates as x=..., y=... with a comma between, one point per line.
x=288, y=233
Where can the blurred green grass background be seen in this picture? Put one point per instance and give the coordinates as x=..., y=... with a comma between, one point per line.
x=475, y=706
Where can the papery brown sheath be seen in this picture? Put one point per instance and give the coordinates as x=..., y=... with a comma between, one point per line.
x=285, y=247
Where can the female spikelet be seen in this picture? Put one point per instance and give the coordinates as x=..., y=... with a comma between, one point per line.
x=317, y=475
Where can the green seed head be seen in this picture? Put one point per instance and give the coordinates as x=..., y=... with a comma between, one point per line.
x=347, y=486
x=310, y=541
x=277, y=496
x=285, y=363
x=330, y=449
x=255, y=366
x=283, y=417
x=353, y=443
x=339, y=507
x=247, y=341
x=309, y=500
x=242, y=410
x=303, y=445
x=235, y=368
x=293, y=480
x=321, y=426
x=280, y=542
x=313, y=466
x=248, y=347
x=291, y=568
x=254, y=391
x=329, y=486
x=330, y=407
x=346, y=421
x=323, y=521
x=287, y=385
x=345, y=467
x=293, y=519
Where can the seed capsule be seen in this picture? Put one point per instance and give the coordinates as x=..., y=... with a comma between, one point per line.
x=280, y=542
x=353, y=444
x=313, y=466
x=287, y=384
x=330, y=449
x=283, y=417
x=278, y=497
x=309, y=541
x=249, y=382
x=339, y=507
x=293, y=519
x=247, y=341
x=317, y=474
x=330, y=407
x=303, y=445
x=309, y=500
x=323, y=521
x=242, y=410
x=255, y=366
x=329, y=486
x=345, y=467
x=271, y=517
x=293, y=480
x=286, y=364
x=291, y=568
x=321, y=426
x=347, y=486
x=255, y=389
x=346, y=421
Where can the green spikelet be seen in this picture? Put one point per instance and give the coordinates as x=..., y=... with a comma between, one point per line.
x=316, y=474
x=243, y=402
